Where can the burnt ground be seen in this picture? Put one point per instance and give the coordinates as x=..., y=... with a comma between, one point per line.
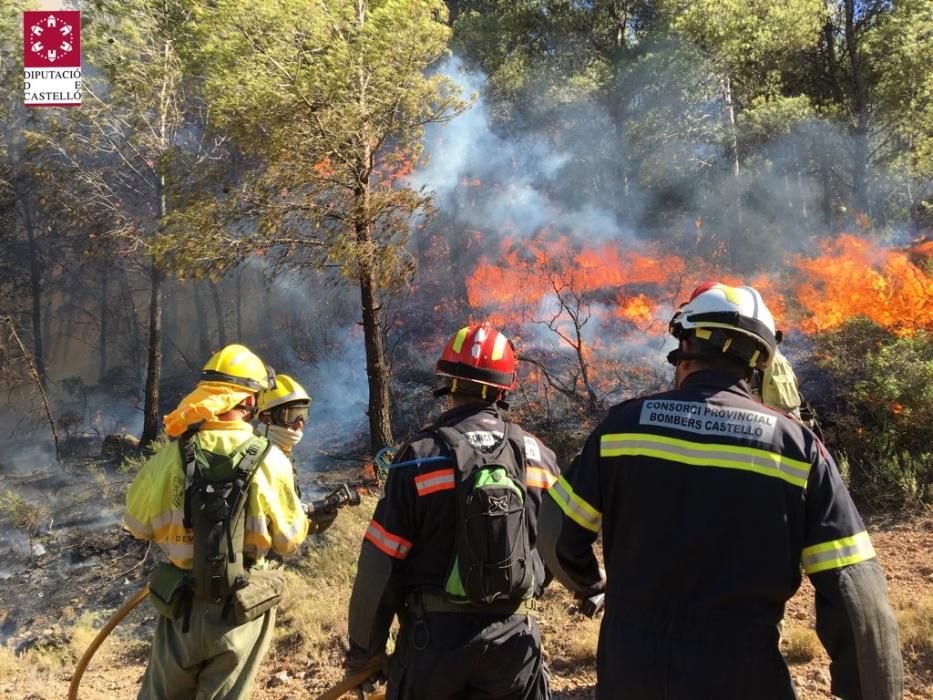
x=49, y=611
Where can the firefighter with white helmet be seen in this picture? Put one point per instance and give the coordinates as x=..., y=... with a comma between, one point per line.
x=710, y=504
x=217, y=501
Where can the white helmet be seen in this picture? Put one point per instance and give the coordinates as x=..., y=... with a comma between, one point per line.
x=731, y=319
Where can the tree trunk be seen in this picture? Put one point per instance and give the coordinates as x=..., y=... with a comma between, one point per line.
x=729, y=113
x=238, y=276
x=35, y=284
x=219, y=313
x=104, y=321
x=151, y=423
x=204, y=340
x=377, y=371
x=154, y=369
x=860, y=109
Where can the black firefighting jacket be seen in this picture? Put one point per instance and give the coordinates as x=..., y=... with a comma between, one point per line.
x=409, y=544
x=709, y=504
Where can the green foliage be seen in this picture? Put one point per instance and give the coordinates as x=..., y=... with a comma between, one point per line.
x=333, y=107
x=749, y=39
x=767, y=117
x=131, y=465
x=902, y=45
x=882, y=418
x=20, y=513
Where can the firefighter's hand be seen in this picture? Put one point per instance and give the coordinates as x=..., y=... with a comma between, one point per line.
x=358, y=659
x=593, y=605
x=591, y=601
x=320, y=519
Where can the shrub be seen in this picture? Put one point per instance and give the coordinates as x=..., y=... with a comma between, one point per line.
x=915, y=620
x=879, y=412
x=800, y=644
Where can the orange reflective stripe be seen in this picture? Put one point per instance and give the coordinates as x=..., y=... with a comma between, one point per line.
x=536, y=477
x=432, y=482
x=393, y=545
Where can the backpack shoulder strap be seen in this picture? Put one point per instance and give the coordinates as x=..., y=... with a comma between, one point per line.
x=252, y=457
x=189, y=462
x=462, y=452
x=512, y=436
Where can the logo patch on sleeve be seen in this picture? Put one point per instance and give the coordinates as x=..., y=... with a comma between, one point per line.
x=531, y=449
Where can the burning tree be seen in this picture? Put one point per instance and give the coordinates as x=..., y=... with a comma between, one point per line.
x=328, y=101
x=600, y=303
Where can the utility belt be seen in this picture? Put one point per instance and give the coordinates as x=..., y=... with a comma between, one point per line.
x=430, y=602
x=172, y=594
x=419, y=603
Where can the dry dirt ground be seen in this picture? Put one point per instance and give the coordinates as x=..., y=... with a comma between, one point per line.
x=50, y=612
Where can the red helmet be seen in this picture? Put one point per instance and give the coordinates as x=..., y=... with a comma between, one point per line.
x=481, y=354
x=704, y=287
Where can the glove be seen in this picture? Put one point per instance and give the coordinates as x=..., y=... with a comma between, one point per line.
x=593, y=599
x=320, y=519
x=358, y=659
x=593, y=605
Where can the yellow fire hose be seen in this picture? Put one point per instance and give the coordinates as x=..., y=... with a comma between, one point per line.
x=99, y=639
x=349, y=682
x=353, y=680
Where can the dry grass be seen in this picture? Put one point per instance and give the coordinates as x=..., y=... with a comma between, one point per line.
x=800, y=644
x=314, y=609
x=580, y=645
x=83, y=633
x=569, y=638
x=8, y=662
x=915, y=619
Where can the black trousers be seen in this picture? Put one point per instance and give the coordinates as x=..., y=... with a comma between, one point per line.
x=632, y=666
x=467, y=656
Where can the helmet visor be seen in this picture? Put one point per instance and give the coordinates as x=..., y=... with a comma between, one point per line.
x=290, y=415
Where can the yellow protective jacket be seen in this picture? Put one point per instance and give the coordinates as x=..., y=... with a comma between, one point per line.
x=155, y=501
x=779, y=386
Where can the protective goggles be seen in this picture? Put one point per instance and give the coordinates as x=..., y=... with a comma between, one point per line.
x=290, y=415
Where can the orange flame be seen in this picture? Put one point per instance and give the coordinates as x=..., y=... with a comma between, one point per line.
x=856, y=277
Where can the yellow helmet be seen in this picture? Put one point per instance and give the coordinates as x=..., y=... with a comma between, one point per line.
x=237, y=365
x=286, y=390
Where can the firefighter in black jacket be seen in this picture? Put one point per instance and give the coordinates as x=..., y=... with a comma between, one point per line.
x=450, y=649
x=709, y=504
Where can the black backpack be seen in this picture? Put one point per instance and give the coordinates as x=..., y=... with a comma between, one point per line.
x=492, y=558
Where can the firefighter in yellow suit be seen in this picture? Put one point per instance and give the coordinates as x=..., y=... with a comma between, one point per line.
x=205, y=653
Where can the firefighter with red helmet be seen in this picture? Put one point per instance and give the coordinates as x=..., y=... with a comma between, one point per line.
x=710, y=504
x=464, y=632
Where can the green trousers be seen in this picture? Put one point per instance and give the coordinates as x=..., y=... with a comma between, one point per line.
x=214, y=660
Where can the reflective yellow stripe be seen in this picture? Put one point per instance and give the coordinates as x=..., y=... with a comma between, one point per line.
x=258, y=525
x=181, y=554
x=136, y=528
x=287, y=539
x=461, y=336
x=837, y=553
x=574, y=507
x=706, y=455
x=498, y=347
